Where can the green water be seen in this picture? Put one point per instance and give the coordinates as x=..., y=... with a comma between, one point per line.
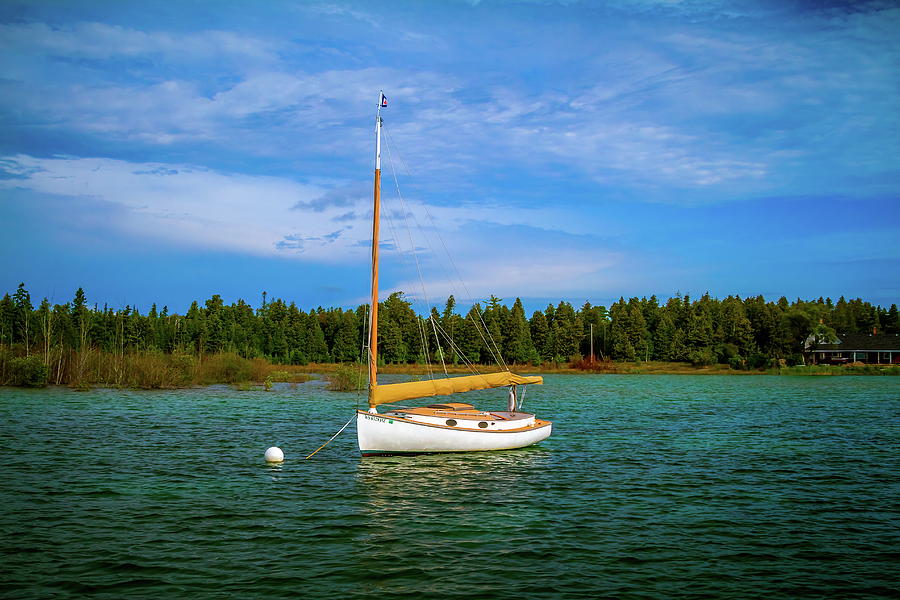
x=650, y=487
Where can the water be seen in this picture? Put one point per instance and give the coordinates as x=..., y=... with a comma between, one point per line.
x=650, y=487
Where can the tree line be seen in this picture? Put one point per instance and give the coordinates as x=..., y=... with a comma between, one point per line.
x=743, y=332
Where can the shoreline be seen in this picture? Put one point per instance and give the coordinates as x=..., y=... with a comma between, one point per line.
x=621, y=368
x=264, y=374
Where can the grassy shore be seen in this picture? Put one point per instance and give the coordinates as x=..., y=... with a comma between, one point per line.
x=84, y=369
x=625, y=368
x=155, y=370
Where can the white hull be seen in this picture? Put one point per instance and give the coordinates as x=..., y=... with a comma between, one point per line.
x=384, y=434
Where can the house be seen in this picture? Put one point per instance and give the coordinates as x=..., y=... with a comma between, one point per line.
x=872, y=348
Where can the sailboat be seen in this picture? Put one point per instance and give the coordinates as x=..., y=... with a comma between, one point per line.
x=448, y=426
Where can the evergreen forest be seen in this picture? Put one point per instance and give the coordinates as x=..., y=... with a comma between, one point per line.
x=59, y=343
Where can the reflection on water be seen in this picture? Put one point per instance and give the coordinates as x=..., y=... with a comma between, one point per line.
x=411, y=481
x=442, y=507
x=274, y=470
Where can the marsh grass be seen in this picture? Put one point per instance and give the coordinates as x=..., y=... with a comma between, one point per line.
x=147, y=369
x=84, y=369
x=347, y=378
x=226, y=367
x=851, y=369
x=89, y=368
x=279, y=375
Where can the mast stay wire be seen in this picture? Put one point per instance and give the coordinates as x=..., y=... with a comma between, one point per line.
x=406, y=212
x=428, y=306
x=489, y=342
x=412, y=247
x=401, y=253
x=484, y=333
x=471, y=366
x=364, y=351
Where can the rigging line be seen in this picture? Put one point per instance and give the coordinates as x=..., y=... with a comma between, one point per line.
x=395, y=238
x=459, y=352
x=489, y=342
x=423, y=338
x=400, y=158
x=398, y=249
x=497, y=356
x=419, y=325
x=437, y=341
x=441, y=331
x=405, y=212
x=454, y=347
x=426, y=238
x=332, y=437
x=363, y=354
x=387, y=213
x=482, y=330
x=461, y=355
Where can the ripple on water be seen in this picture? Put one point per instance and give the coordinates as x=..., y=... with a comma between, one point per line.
x=659, y=487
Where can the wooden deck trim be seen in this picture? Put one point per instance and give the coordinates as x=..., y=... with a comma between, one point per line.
x=467, y=415
x=538, y=424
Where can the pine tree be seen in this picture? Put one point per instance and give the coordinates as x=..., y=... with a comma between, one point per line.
x=736, y=327
x=664, y=338
x=892, y=322
x=637, y=332
x=540, y=335
x=344, y=348
x=470, y=336
x=518, y=347
x=23, y=308
x=45, y=320
x=317, y=349
x=7, y=319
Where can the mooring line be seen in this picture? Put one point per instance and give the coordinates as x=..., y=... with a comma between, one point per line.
x=332, y=437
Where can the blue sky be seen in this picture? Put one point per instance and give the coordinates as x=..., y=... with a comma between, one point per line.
x=164, y=152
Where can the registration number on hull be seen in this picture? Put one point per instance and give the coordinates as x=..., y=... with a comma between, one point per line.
x=379, y=419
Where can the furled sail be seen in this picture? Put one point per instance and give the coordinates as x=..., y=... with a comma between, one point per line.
x=398, y=392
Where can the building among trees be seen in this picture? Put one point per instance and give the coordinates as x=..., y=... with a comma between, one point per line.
x=873, y=348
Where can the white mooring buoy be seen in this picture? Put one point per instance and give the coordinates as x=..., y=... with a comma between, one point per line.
x=274, y=454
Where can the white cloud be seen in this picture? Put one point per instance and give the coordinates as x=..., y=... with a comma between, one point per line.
x=193, y=206
x=492, y=249
x=705, y=112
x=180, y=204
x=594, y=130
x=543, y=272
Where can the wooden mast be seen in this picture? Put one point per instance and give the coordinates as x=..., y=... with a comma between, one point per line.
x=373, y=310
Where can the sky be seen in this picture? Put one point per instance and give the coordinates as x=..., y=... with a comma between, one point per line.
x=162, y=152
